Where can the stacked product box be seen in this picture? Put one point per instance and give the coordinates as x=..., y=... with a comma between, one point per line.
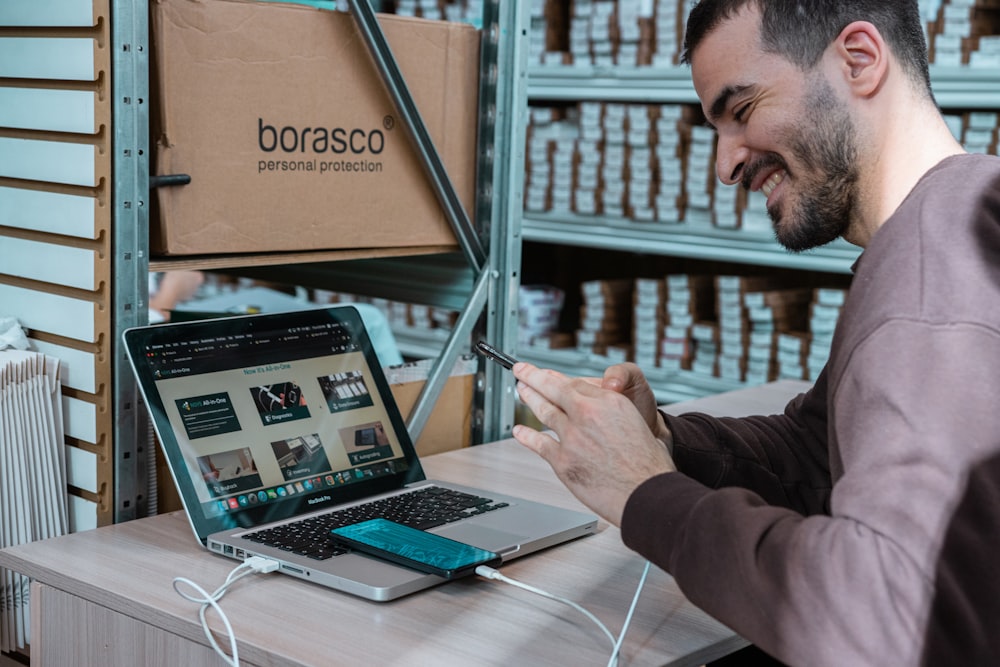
x=537, y=164
x=538, y=33
x=726, y=205
x=617, y=160
x=986, y=53
x=623, y=33
x=548, y=33
x=734, y=321
x=750, y=329
x=689, y=300
x=672, y=132
x=635, y=39
x=641, y=165
x=705, y=347
x=823, y=315
x=649, y=299
x=469, y=11
x=668, y=33
x=588, y=158
x=605, y=316
x=551, y=137
x=614, y=178
x=792, y=355
x=700, y=175
x=753, y=214
x=538, y=310
x=964, y=33
x=590, y=32
x=771, y=312
x=980, y=131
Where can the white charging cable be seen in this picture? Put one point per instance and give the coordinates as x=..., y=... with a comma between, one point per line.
x=252, y=565
x=491, y=573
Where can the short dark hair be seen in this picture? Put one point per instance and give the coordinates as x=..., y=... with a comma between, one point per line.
x=800, y=30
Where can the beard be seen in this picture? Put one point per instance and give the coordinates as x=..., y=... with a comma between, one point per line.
x=826, y=141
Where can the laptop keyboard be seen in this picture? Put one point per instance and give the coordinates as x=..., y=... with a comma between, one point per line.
x=423, y=508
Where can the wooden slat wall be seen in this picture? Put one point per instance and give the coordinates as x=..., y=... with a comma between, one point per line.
x=55, y=219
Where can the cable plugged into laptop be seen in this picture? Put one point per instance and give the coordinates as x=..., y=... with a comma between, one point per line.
x=488, y=572
x=261, y=565
x=252, y=565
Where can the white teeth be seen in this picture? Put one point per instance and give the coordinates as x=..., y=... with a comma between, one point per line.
x=770, y=184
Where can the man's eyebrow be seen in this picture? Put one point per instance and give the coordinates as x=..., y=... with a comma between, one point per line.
x=721, y=101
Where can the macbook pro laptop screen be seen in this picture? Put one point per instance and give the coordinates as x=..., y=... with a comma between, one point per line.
x=273, y=416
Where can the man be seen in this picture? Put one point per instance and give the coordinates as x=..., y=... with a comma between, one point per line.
x=817, y=534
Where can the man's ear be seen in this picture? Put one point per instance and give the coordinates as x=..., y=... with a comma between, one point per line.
x=863, y=57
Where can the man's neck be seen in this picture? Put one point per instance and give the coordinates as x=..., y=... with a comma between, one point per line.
x=908, y=148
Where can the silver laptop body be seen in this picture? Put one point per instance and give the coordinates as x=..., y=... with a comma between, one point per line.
x=270, y=419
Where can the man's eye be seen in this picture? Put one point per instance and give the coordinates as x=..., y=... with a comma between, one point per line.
x=739, y=113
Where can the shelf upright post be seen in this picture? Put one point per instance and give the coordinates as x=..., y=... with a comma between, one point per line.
x=130, y=224
x=503, y=126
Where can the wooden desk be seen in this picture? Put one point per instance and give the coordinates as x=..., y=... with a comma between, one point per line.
x=104, y=597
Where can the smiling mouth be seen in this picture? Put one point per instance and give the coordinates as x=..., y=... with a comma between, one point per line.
x=768, y=186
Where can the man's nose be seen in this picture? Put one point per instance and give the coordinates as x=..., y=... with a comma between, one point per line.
x=731, y=158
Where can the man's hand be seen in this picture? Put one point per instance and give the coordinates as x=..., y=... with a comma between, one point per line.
x=605, y=448
x=628, y=380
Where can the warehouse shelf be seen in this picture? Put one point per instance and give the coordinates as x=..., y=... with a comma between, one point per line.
x=668, y=386
x=955, y=87
x=683, y=240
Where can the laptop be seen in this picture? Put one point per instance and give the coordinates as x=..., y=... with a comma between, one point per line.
x=271, y=422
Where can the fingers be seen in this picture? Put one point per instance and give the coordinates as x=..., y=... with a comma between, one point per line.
x=538, y=442
x=622, y=377
x=543, y=409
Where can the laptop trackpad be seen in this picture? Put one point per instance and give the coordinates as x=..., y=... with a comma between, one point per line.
x=480, y=536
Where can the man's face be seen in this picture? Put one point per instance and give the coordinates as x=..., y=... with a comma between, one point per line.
x=781, y=131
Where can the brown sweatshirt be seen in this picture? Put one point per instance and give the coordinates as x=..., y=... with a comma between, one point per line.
x=816, y=534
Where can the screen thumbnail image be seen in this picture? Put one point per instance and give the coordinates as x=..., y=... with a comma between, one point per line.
x=228, y=472
x=345, y=391
x=300, y=456
x=365, y=443
x=279, y=402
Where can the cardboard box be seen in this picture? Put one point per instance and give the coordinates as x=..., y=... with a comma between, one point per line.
x=281, y=119
x=450, y=423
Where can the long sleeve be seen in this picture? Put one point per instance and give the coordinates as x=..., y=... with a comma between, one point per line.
x=911, y=408
x=783, y=458
x=853, y=587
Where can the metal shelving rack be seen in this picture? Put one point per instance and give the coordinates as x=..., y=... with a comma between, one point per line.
x=97, y=53
x=483, y=287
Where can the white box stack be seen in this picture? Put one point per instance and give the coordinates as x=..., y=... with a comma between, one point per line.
x=700, y=175
x=538, y=310
x=649, y=301
x=668, y=154
x=980, y=134
x=689, y=300
x=605, y=316
x=668, y=33
x=823, y=314
x=770, y=313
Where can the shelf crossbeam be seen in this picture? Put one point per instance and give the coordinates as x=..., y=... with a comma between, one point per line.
x=381, y=53
x=461, y=224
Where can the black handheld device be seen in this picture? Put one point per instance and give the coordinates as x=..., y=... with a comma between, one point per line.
x=496, y=355
x=415, y=548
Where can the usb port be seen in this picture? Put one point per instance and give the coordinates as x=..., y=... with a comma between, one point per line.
x=240, y=553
